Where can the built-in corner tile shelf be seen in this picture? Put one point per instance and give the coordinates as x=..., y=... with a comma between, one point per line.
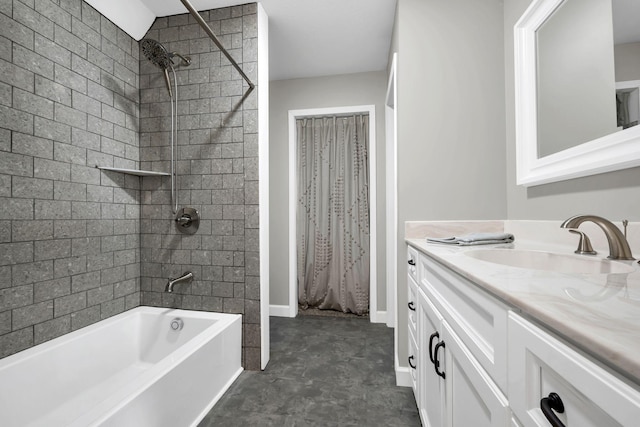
x=136, y=172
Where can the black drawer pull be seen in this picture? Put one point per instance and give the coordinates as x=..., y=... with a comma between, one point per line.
x=550, y=404
x=431, y=338
x=412, y=306
x=411, y=262
x=411, y=364
x=436, y=363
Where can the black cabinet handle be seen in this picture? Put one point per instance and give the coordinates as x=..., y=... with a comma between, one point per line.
x=412, y=306
x=431, y=338
x=436, y=363
x=550, y=404
x=411, y=262
x=411, y=364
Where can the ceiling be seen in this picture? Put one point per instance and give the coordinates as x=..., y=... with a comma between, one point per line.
x=307, y=38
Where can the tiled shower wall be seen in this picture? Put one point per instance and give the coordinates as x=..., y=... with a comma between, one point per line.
x=218, y=171
x=69, y=233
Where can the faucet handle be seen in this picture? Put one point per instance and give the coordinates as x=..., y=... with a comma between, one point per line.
x=584, y=245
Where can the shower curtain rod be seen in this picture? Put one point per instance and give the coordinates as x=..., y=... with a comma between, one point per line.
x=208, y=30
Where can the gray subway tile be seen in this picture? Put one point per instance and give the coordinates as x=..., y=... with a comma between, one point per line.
x=32, y=146
x=51, y=329
x=15, y=297
x=14, y=253
x=71, y=116
x=51, y=289
x=29, y=60
x=51, y=129
x=70, y=79
x=69, y=41
x=64, y=267
x=86, y=317
x=69, y=228
x=16, y=164
x=69, y=191
x=16, y=120
x=32, y=272
x=16, y=76
x=85, y=32
x=31, y=230
x=51, y=170
x=32, y=19
x=112, y=307
x=52, y=90
x=15, y=31
x=85, y=210
x=52, y=209
x=96, y=57
x=99, y=295
x=84, y=139
x=86, y=175
x=54, y=13
x=69, y=153
x=16, y=341
x=85, y=246
x=32, y=314
x=52, y=51
x=32, y=188
x=69, y=304
x=84, y=103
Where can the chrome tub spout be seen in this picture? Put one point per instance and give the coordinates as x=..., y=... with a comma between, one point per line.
x=186, y=277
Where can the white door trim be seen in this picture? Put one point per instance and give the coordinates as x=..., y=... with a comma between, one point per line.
x=293, y=191
x=391, y=142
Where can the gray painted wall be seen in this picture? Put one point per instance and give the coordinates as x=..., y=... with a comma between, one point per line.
x=627, y=57
x=218, y=172
x=321, y=92
x=613, y=195
x=451, y=118
x=69, y=242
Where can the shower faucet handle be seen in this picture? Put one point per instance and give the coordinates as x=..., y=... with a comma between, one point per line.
x=187, y=220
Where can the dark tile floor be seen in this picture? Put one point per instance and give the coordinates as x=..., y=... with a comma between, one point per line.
x=324, y=371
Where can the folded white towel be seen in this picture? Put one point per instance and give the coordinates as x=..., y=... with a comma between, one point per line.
x=475, y=239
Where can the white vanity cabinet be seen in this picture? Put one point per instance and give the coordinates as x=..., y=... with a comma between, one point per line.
x=481, y=363
x=453, y=388
x=541, y=364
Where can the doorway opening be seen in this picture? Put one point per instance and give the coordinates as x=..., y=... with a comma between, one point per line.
x=349, y=217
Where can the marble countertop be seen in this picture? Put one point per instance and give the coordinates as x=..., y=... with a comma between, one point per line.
x=599, y=313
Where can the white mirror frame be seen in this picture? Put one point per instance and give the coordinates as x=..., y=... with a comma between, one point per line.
x=616, y=151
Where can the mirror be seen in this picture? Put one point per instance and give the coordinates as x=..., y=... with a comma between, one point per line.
x=577, y=101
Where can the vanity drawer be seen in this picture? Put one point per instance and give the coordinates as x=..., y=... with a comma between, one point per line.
x=413, y=364
x=412, y=263
x=478, y=318
x=412, y=299
x=540, y=364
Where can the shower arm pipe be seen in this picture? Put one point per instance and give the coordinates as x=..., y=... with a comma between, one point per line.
x=211, y=34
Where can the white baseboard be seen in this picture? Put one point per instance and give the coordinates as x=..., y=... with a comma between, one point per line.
x=380, y=317
x=403, y=377
x=279, y=311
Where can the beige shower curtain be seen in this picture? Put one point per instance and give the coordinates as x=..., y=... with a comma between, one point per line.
x=333, y=213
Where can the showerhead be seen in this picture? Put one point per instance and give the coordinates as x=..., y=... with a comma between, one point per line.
x=160, y=57
x=156, y=53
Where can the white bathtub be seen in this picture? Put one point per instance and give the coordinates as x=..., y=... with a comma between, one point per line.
x=129, y=370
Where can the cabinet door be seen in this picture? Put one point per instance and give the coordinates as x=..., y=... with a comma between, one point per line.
x=431, y=386
x=472, y=398
x=540, y=364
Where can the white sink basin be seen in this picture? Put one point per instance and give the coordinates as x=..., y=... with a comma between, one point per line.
x=548, y=261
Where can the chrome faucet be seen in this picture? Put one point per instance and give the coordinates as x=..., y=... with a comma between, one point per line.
x=186, y=277
x=618, y=245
